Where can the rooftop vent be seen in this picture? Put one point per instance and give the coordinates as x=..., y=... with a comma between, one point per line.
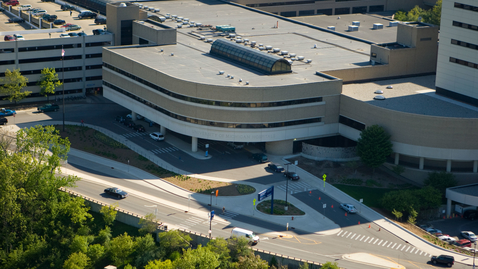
x=300, y=58
x=180, y=25
x=161, y=50
x=202, y=37
x=268, y=47
x=174, y=16
x=331, y=28
x=308, y=61
x=240, y=80
x=356, y=23
x=276, y=50
x=377, y=26
x=292, y=54
x=228, y=75
x=353, y=28
x=221, y=73
x=209, y=40
x=198, y=24
x=247, y=82
x=232, y=77
x=284, y=52
x=378, y=92
x=315, y=46
x=122, y=5
x=393, y=24
x=172, y=53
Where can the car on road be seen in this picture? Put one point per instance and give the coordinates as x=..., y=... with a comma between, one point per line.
x=469, y=235
x=249, y=235
x=235, y=145
x=157, y=136
x=260, y=157
x=291, y=175
x=7, y=112
x=139, y=128
x=463, y=243
x=8, y=38
x=349, y=208
x=116, y=192
x=443, y=259
x=16, y=20
x=59, y=22
x=120, y=119
x=48, y=108
x=471, y=214
x=3, y=121
x=275, y=167
x=447, y=238
x=128, y=123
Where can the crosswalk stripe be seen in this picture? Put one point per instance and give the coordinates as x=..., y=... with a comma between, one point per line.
x=370, y=240
x=385, y=243
x=362, y=238
x=416, y=251
x=379, y=242
x=349, y=235
x=420, y=253
x=393, y=245
x=408, y=248
x=365, y=239
x=411, y=250
x=344, y=234
x=399, y=246
x=403, y=247
x=339, y=233
x=352, y=237
x=390, y=244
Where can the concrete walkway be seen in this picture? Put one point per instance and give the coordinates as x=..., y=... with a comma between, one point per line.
x=312, y=222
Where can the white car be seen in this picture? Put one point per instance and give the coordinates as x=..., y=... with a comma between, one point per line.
x=469, y=249
x=469, y=235
x=25, y=7
x=447, y=238
x=39, y=12
x=433, y=230
x=65, y=35
x=18, y=37
x=157, y=136
x=349, y=208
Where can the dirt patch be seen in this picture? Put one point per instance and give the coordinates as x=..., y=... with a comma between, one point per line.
x=94, y=142
x=279, y=208
x=350, y=173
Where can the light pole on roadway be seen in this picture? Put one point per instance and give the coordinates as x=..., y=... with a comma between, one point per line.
x=286, y=187
x=210, y=216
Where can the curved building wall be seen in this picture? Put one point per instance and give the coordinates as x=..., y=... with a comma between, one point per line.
x=417, y=135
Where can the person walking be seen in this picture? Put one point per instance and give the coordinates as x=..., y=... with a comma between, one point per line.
x=82, y=123
x=71, y=12
x=223, y=210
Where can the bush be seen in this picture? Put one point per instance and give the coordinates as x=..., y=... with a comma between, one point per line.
x=245, y=189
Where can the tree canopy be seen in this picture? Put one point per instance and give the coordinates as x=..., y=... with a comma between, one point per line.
x=432, y=16
x=49, y=81
x=13, y=84
x=374, y=146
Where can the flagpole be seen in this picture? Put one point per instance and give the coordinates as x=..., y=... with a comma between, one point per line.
x=63, y=83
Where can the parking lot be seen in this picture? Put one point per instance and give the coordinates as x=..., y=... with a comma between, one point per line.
x=453, y=227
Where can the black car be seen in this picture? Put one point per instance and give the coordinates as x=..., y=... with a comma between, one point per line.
x=67, y=7
x=98, y=32
x=59, y=22
x=82, y=34
x=120, y=119
x=129, y=123
x=16, y=20
x=116, y=192
x=471, y=214
x=260, y=157
x=73, y=34
x=275, y=167
x=291, y=175
x=50, y=18
x=48, y=108
x=87, y=15
x=100, y=20
x=443, y=259
x=139, y=128
x=3, y=121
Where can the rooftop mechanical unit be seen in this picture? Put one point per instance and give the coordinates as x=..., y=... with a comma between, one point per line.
x=377, y=26
x=353, y=28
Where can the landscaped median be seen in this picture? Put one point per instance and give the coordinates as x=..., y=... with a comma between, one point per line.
x=279, y=208
x=94, y=142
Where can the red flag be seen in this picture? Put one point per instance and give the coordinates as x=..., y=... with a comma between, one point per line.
x=62, y=52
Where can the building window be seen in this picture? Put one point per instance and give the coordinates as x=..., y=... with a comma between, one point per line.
x=342, y=10
x=327, y=11
x=463, y=62
x=467, y=7
x=49, y=59
x=374, y=55
x=376, y=8
x=288, y=14
x=96, y=55
x=465, y=25
x=126, y=32
x=426, y=39
x=306, y=12
x=351, y=123
x=359, y=10
x=464, y=44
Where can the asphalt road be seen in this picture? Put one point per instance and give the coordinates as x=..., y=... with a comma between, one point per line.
x=353, y=238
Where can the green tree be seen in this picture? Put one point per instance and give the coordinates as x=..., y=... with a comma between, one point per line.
x=95, y=252
x=48, y=82
x=374, y=146
x=146, y=250
x=148, y=224
x=201, y=257
x=330, y=265
x=429, y=197
x=412, y=216
x=399, y=200
x=109, y=213
x=433, y=16
x=220, y=247
x=398, y=215
x=76, y=260
x=304, y=265
x=238, y=246
x=441, y=181
x=251, y=261
x=79, y=244
x=13, y=83
x=121, y=247
x=172, y=241
x=158, y=264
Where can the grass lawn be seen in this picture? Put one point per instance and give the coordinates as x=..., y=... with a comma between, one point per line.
x=371, y=196
x=279, y=208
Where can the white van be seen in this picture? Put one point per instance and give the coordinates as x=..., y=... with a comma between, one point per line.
x=239, y=232
x=25, y=7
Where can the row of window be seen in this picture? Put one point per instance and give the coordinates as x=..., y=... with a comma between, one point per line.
x=58, y=70
x=351, y=123
x=465, y=25
x=65, y=46
x=57, y=93
x=212, y=123
x=462, y=62
x=58, y=58
x=330, y=11
x=464, y=44
x=67, y=80
x=280, y=4
x=467, y=7
x=211, y=102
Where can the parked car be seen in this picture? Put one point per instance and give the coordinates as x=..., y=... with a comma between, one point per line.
x=469, y=235
x=40, y=12
x=7, y=112
x=87, y=15
x=67, y=25
x=235, y=145
x=100, y=20
x=120, y=119
x=12, y=3
x=469, y=249
x=443, y=259
x=18, y=37
x=260, y=157
x=139, y=128
x=447, y=238
x=49, y=17
x=116, y=192
x=276, y=168
x=73, y=27
x=471, y=214
x=291, y=175
x=16, y=20
x=128, y=123
x=48, y=108
x=3, y=121
x=349, y=208
x=73, y=34
x=48, y=0
x=98, y=32
x=25, y=7
x=82, y=34
x=64, y=35
x=59, y=22
x=157, y=136
x=463, y=243
x=67, y=7
x=8, y=38
x=432, y=230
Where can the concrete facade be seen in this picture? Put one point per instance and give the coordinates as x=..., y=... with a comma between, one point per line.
x=120, y=20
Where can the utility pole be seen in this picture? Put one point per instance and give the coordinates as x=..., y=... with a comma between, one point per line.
x=286, y=187
x=211, y=215
x=63, y=82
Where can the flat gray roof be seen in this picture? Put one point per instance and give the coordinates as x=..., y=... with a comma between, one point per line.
x=385, y=35
x=192, y=61
x=467, y=189
x=412, y=95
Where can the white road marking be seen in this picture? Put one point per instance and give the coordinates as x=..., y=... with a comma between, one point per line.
x=378, y=242
x=384, y=243
x=353, y=237
x=403, y=247
x=349, y=235
x=339, y=233
x=408, y=248
x=365, y=239
x=370, y=240
x=390, y=244
x=344, y=234
x=417, y=251
x=399, y=246
x=394, y=245
x=421, y=253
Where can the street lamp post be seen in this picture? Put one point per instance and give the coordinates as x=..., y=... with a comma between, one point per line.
x=210, y=216
x=286, y=187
